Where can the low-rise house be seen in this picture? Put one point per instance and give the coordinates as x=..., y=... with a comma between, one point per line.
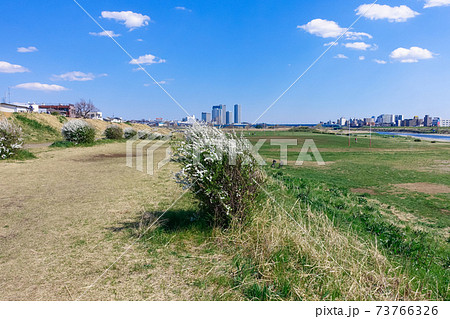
x=95, y=115
x=18, y=107
x=67, y=110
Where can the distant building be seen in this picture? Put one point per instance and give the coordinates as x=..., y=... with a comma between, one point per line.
x=237, y=114
x=67, y=110
x=217, y=114
x=11, y=108
x=229, y=118
x=206, y=117
x=398, y=119
x=385, y=119
x=445, y=123
x=342, y=121
x=95, y=115
x=427, y=121
x=436, y=121
x=224, y=113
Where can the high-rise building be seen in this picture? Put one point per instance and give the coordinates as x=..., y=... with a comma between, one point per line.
x=427, y=121
x=206, y=117
x=217, y=114
x=237, y=113
x=229, y=118
x=224, y=113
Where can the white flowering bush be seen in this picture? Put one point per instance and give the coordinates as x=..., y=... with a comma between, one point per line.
x=10, y=138
x=143, y=134
x=221, y=172
x=78, y=132
x=148, y=135
x=129, y=132
x=114, y=132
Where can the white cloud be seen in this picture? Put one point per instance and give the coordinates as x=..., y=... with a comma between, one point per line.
x=362, y=58
x=26, y=50
x=159, y=82
x=330, y=43
x=76, y=76
x=357, y=35
x=359, y=46
x=147, y=60
x=330, y=29
x=6, y=67
x=130, y=19
x=436, y=3
x=411, y=55
x=183, y=9
x=341, y=56
x=40, y=87
x=379, y=61
x=105, y=33
x=393, y=14
x=139, y=40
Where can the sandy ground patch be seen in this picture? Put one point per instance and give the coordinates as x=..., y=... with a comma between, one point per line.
x=427, y=188
x=363, y=191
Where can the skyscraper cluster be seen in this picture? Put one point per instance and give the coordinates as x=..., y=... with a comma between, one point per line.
x=220, y=116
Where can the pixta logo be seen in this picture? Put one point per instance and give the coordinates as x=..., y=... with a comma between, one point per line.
x=144, y=151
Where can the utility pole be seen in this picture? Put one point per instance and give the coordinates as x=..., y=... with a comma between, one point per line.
x=370, y=134
x=9, y=94
x=349, y=133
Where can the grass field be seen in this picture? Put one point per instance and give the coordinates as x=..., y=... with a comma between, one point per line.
x=408, y=180
x=343, y=231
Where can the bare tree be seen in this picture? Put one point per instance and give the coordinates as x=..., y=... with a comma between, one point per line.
x=83, y=108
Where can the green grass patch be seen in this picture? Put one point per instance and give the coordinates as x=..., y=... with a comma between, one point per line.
x=22, y=155
x=67, y=144
x=35, y=131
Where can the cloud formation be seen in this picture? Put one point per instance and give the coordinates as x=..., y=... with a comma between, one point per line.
x=36, y=86
x=6, y=67
x=26, y=50
x=105, y=33
x=130, y=19
x=379, y=61
x=76, y=76
x=147, y=60
x=183, y=9
x=341, y=56
x=436, y=3
x=359, y=46
x=330, y=29
x=411, y=55
x=392, y=14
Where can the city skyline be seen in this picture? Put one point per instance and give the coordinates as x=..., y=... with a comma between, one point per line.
x=385, y=61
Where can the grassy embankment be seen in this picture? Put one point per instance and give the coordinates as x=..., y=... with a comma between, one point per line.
x=344, y=231
x=317, y=234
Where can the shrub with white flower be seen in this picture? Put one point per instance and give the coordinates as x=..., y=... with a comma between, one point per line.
x=10, y=138
x=114, y=132
x=78, y=132
x=129, y=132
x=143, y=134
x=221, y=172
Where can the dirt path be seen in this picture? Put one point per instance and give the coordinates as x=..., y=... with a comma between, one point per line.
x=56, y=215
x=40, y=145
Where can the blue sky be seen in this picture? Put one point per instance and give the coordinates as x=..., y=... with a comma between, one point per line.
x=226, y=52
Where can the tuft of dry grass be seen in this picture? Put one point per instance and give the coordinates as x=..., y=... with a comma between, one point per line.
x=289, y=254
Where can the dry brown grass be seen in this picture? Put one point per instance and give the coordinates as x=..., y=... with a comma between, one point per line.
x=55, y=233
x=314, y=258
x=427, y=188
x=99, y=125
